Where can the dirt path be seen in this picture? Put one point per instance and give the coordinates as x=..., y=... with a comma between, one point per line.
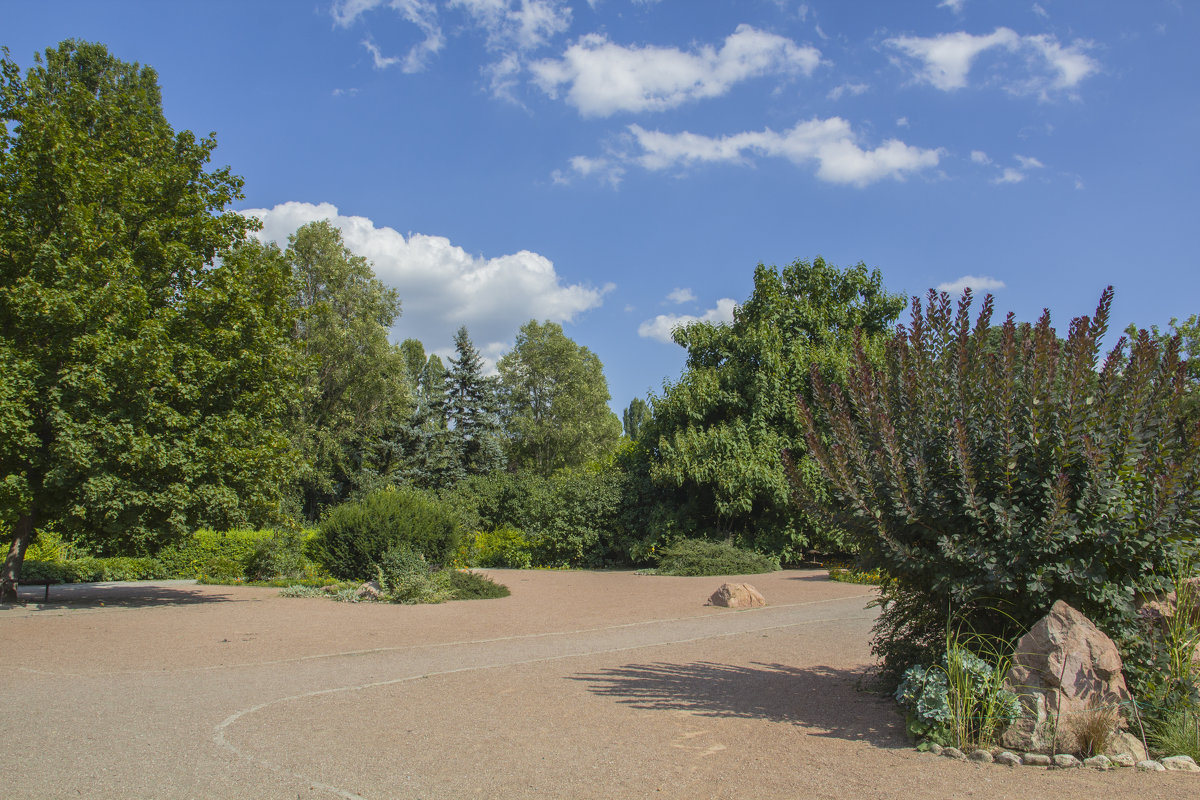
x=579, y=685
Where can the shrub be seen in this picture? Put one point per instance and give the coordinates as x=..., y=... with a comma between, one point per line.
x=212, y=553
x=354, y=536
x=690, y=557
x=503, y=547
x=280, y=556
x=983, y=466
x=405, y=577
x=473, y=586
x=89, y=570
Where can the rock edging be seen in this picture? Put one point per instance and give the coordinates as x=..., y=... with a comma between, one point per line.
x=1064, y=760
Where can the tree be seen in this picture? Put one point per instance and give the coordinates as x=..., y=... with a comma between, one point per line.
x=143, y=338
x=555, y=401
x=353, y=388
x=635, y=417
x=472, y=411
x=717, y=434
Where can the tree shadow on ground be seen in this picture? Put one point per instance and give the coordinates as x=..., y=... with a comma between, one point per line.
x=65, y=596
x=825, y=700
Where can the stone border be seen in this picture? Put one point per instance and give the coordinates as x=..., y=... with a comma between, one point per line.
x=1064, y=760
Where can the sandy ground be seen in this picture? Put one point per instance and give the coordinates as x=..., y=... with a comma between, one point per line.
x=579, y=685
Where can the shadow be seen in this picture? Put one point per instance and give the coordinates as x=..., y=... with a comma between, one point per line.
x=822, y=577
x=116, y=595
x=824, y=700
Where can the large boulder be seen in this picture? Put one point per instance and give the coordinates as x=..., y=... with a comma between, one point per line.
x=1065, y=670
x=737, y=595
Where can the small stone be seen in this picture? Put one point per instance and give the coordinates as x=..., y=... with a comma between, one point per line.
x=1066, y=761
x=1179, y=764
x=1150, y=766
x=982, y=756
x=371, y=590
x=1008, y=759
x=1123, y=760
x=934, y=748
x=1098, y=762
x=1036, y=759
x=955, y=753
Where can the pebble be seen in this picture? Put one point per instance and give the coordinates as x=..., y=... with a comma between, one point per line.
x=1009, y=759
x=1150, y=766
x=1066, y=761
x=1098, y=762
x=982, y=756
x=1179, y=764
x=1036, y=759
x=954, y=752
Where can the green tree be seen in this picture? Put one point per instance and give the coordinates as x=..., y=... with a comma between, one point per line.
x=143, y=340
x=633, y=420
x=717, y=434
x=472, y=412
x=555, y=401
x=353, y=388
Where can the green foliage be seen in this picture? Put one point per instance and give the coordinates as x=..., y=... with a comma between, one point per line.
x=143, y=336
x=716, y=435
x=353, y=537
x=556, y=410
x=574, y=518
x=634, y=418
x=502, y=547
x=473, y=586
x=869, y=577
x=983, y=468
x=210, y=552
x=404, y=576
x=960, y=702
x=90, y=570
x=692, y=557
x=1178, y=733
x=353, y=389
x=472, y=411
x=280, y=556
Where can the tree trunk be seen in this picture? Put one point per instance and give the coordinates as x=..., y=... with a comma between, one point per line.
x=22, y=533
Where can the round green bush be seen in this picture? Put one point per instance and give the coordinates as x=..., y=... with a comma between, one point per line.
x=354, y=536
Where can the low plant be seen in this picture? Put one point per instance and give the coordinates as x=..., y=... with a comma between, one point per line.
x=1177, y=733
x=473, y=586
x=92, y=569
x=280, y=556
x=693, y=557
x=1091, y=730
x=404, y=576
x=853, y=574
x=962, y=701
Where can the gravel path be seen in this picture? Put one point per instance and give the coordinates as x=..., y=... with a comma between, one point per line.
x=579, y=685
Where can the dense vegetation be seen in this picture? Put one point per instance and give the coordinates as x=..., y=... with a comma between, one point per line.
x=181, y=400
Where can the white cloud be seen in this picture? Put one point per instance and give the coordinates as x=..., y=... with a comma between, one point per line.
x=954, y=5
x=1028, y=162
x=1010, y=175
x=847, y=88
x=947, y=58
x=517, y=24
x=422, y=13
x=441, y=286
x=1041, y=12
x=980, y=157
x=902, y=122
x=944, y=61
x=605, y=78
x=605, y=170
x=830, y=143
x=661, y=326
x=679, y=296
x=977, y=283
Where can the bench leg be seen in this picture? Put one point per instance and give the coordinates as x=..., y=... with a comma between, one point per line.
x=47, y=597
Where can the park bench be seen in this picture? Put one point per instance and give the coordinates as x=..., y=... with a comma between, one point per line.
x=35, y=582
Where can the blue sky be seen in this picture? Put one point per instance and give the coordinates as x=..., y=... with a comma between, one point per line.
x=619, y=166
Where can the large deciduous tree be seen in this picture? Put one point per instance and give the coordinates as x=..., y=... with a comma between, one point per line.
x=143, y=339
x=353, y=386
x=555, y=400
x=717, y=434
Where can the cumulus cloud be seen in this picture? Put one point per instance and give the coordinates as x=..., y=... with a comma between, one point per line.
x=1009, y=175
x=603, y=78
x=976, y=283
x=830, y=143
x=679, y=296
x=660, y=327
x=441, y=286
x=980, y=157
x=945, y=61
x=517, y=24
